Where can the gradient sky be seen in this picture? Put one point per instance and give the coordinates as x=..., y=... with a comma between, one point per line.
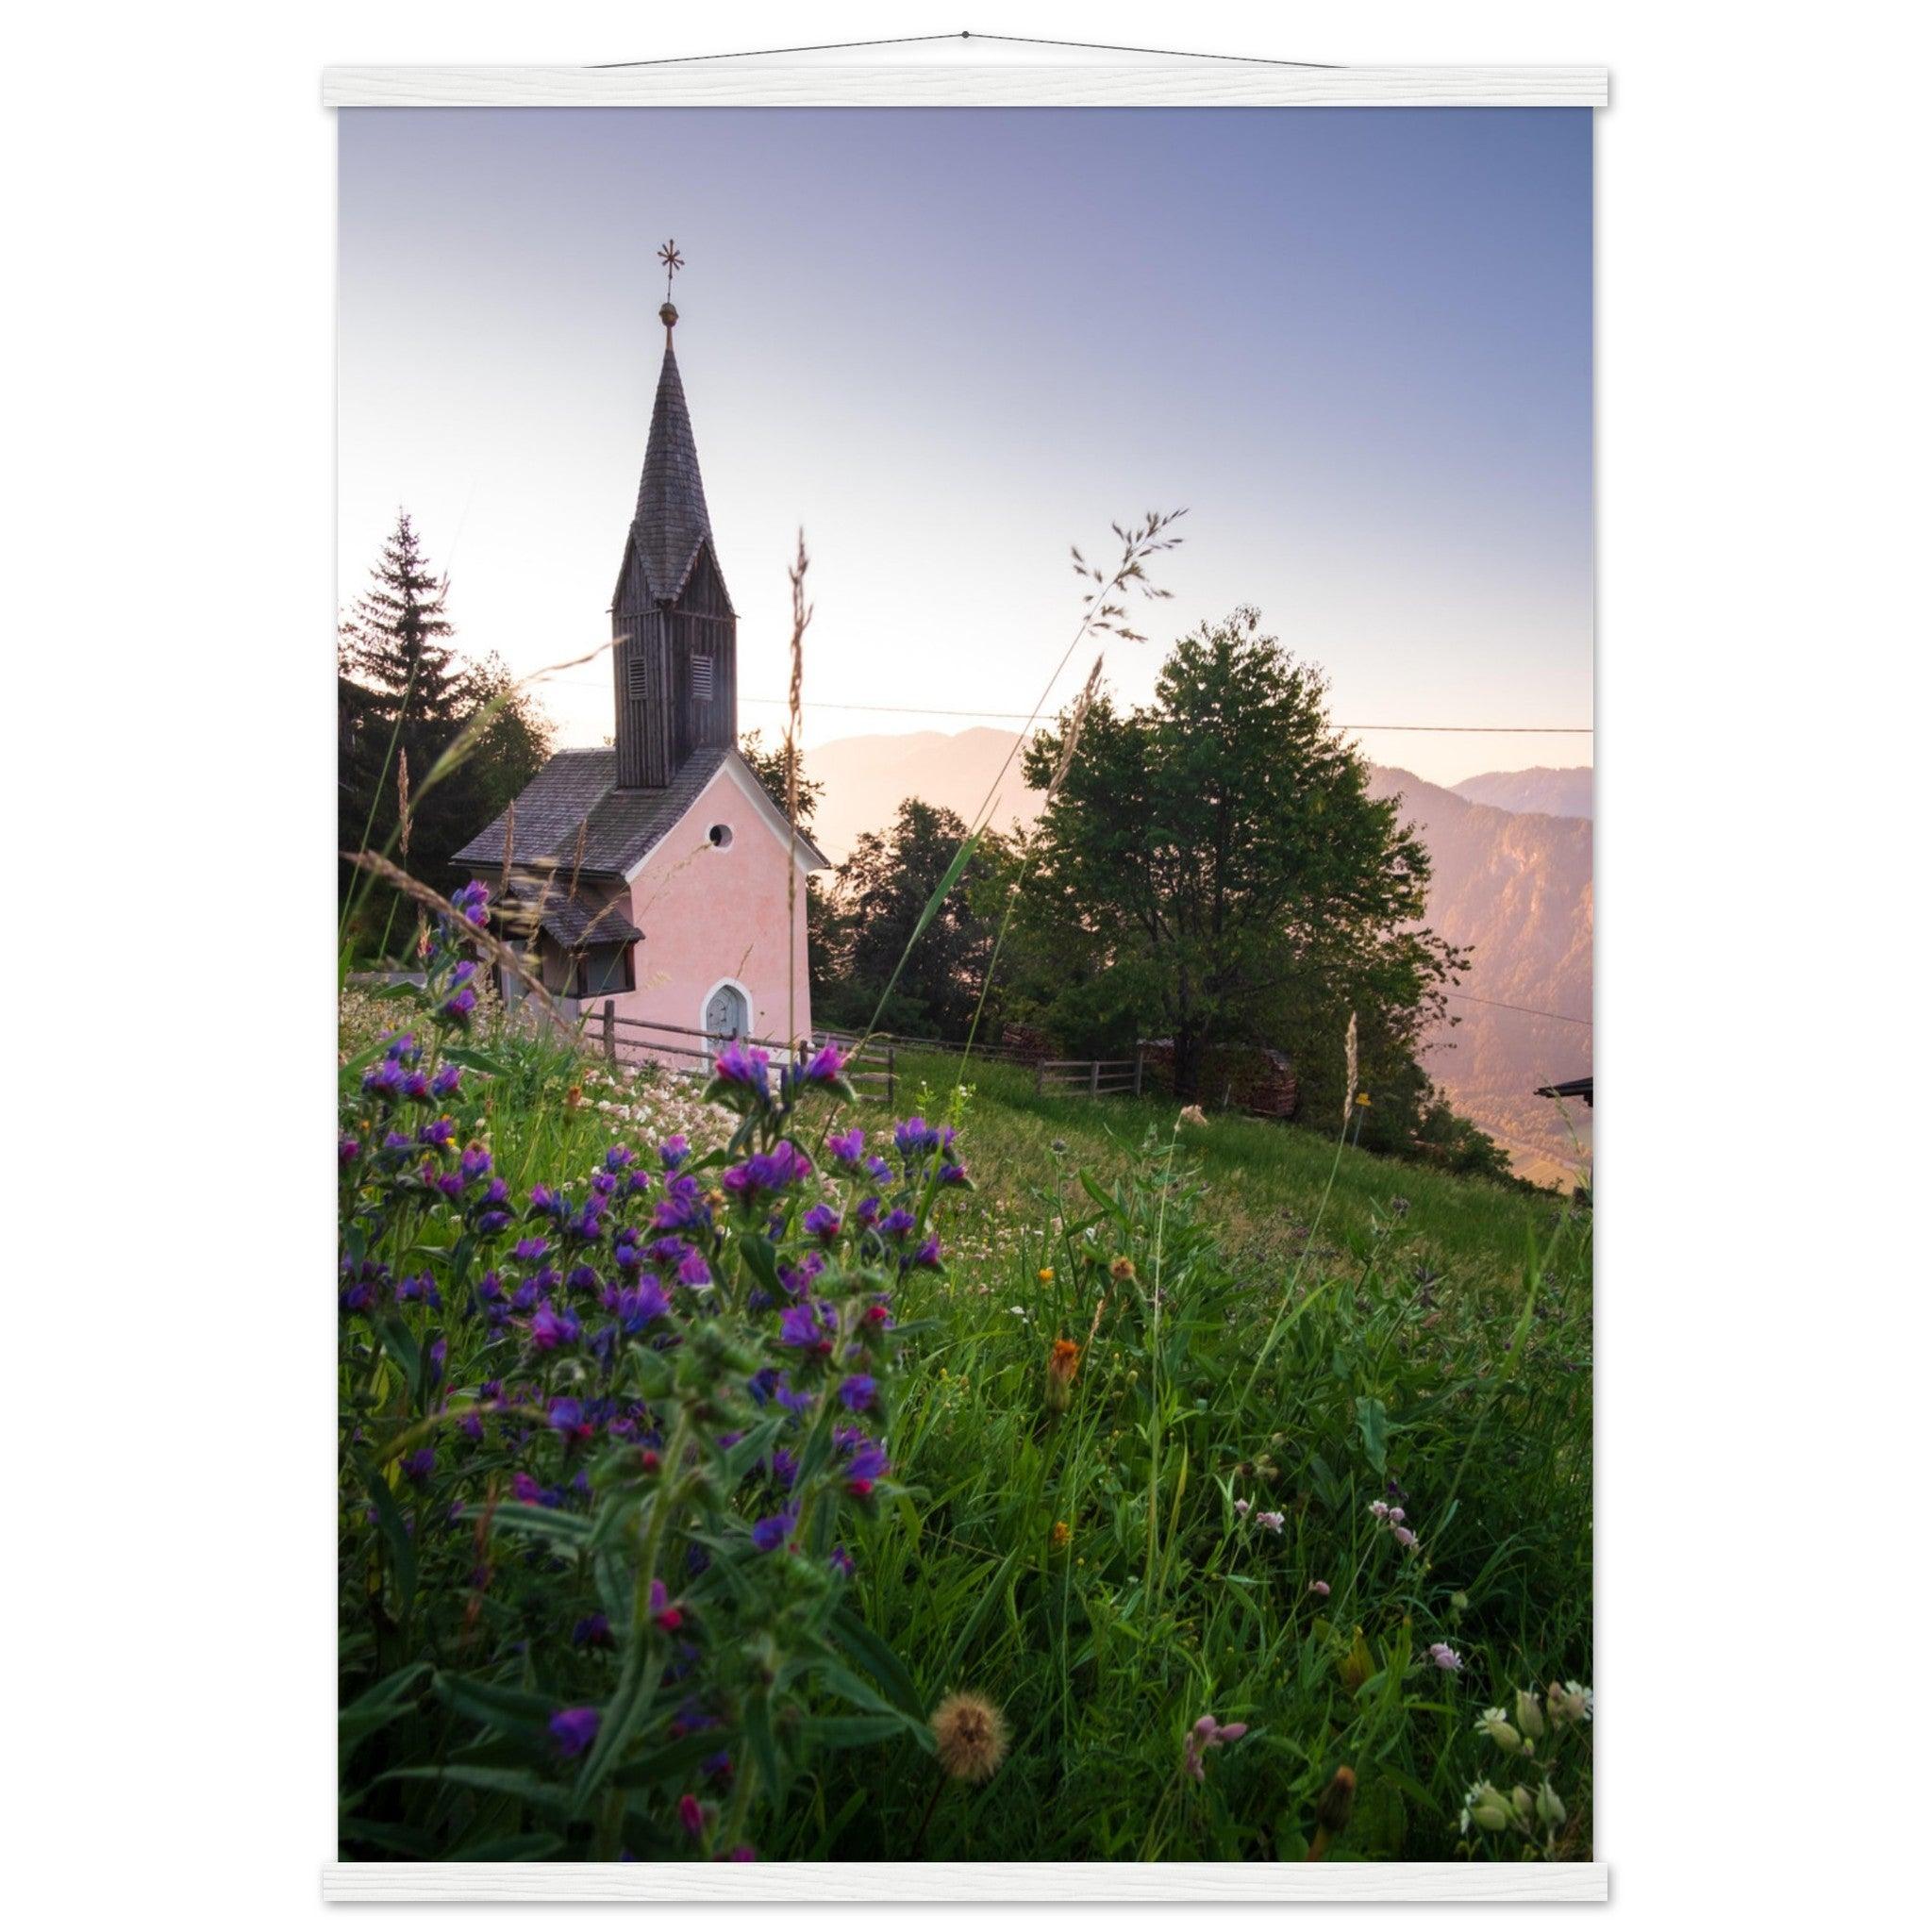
x=1354, y=343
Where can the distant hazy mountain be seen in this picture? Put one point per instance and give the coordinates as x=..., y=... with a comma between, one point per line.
x=1512, y=884
x=1517, y=889
x=865, y=779
x=1566, y=790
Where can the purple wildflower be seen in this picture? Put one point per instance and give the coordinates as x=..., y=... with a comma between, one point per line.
x=1208, y=1734
x=825, y=1068
x=848, y=1148
x=747, y=1067
x=769, y=1532
x=638, y=1307
x=552, y=1328
x=573, y=1730
x=857, y=1391
x=822, y=1223
x=800, y=1328
x=769, y=1173
x=567, y=1418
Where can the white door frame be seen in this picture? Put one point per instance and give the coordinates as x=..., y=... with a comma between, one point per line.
x=705, y=1007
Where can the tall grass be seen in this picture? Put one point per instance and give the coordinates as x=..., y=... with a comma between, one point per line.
x=1440, y=1351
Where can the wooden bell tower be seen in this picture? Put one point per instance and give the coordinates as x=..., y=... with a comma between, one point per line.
x=674, y=661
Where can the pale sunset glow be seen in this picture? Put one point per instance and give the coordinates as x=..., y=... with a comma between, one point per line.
x=1353, y=343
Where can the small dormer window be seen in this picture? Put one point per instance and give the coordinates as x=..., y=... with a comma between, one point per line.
x=701, y=676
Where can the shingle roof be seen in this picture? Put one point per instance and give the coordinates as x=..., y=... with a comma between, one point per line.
x=672, y=522
x=574, y=919
x=579, y=788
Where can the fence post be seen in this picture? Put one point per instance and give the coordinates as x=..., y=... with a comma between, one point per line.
x=891, y=1075
x=1039, y=1078
x=1137, y=1069
x=611, y=1029
x=1093, y=1081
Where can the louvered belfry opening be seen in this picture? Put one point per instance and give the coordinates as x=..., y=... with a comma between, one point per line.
x=675, y=660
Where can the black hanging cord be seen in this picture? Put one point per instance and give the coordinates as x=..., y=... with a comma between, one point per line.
x=921, y=39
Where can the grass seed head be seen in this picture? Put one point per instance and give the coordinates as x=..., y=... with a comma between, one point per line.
x=1335, y=1803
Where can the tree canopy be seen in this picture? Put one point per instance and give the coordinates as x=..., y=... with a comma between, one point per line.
x=404, y=696
x=768, y=767
x=1212, y=868
x=867, y=921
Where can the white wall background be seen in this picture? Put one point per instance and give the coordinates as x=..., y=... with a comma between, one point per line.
x=1761, y=736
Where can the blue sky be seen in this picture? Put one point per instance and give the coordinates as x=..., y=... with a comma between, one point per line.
x=1354, y=343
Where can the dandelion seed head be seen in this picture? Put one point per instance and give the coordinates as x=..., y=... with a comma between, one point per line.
x=969, y=1736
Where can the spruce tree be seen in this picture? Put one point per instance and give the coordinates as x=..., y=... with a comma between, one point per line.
x=404, y=695
x=394, y=641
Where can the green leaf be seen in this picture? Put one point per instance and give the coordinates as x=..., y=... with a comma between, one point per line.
x=763, y=1746
x=761, y=1257
x=1372, y=1419
x=394, y=1530
x=866, y=1648
x=380, y=1704
x=845, y=1733
x=502, y=1706
x=667, y=1762
x=524, y=1785
x=521, y=1846
x=553, y=1525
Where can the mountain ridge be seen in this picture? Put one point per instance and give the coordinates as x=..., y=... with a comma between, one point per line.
x=1514, y=885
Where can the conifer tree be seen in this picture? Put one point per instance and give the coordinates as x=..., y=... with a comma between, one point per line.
x=404, y=693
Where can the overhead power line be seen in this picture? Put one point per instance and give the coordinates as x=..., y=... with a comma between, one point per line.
x=1539, y=1012
x=1020, y=717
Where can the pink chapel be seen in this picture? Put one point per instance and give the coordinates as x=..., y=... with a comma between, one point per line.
x=654, y=873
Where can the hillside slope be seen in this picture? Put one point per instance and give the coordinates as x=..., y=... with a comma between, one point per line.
x=1514, y=886
x=1517, y=890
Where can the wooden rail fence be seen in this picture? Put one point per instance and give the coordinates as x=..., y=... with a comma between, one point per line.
x=1092, y=1078
x=639, y=1042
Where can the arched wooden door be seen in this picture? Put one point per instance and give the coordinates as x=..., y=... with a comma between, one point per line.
x=726, y=1015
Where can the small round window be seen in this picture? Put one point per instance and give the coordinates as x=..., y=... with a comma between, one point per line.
x=721, y=837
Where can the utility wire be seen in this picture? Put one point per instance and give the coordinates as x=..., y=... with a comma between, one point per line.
x=1538, y=1012
x=1021, y=717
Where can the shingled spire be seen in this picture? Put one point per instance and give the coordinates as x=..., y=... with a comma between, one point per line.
x=671, y=521
x=676, y=658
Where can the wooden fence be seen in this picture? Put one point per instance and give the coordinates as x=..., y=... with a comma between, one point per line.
x=979, y=1049
x=1063, y=1079
x=656, y=1042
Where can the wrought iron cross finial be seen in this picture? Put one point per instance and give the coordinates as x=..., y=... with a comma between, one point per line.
x=672, y=261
